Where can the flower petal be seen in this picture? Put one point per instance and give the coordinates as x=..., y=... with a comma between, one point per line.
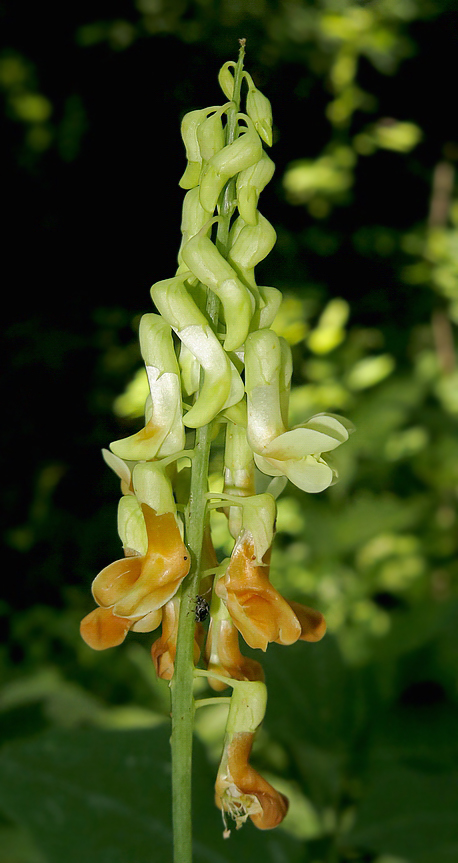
x=300, y=442
x=307, y=473
x=313, y=624
x=101, y=629
x=115, y=580
x=267, y=466
x=149, y=622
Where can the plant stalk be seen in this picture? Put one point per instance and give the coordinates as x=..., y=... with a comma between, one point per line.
x=181, y=685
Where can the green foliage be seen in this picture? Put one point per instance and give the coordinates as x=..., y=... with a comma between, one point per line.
x=105, y=796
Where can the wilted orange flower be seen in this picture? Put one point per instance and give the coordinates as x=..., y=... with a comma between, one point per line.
x=241, y=792
x=223, y=656
x=259, y=612
x=163, y=650
x=132, y=591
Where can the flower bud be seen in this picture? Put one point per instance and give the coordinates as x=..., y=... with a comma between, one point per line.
x=210, y=134
x=208, y=265
x=157, y=349
x=269, y=303
x=260, y=110
x=253, y=244
x=240, y=154
x=250, y=183
x=226, y=79
x=193, y=218
x=189, y=125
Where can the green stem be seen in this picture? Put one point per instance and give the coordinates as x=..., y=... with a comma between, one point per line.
x=183, y=706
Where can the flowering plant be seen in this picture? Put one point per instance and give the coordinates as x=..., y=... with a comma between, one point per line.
x=213, y=362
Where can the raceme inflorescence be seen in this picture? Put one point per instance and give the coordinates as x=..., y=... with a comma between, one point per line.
x=214, y=364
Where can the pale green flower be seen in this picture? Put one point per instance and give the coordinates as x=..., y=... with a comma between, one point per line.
x=294, y=453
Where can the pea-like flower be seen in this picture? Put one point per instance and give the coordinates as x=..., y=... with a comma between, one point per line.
x=294, y=453
x=257, y=609
x=135, y=588
x=163, y=433
x=240, y=791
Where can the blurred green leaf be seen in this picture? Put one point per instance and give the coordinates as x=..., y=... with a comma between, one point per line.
x=104, y=797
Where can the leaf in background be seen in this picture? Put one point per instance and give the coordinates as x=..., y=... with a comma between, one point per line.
x=410, y=814
x=410, y=804
x=312, y=695
x=104, y=797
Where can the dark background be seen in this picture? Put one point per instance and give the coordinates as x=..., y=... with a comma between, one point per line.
x=92, y=97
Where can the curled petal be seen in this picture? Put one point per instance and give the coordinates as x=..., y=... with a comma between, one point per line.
x=259, y=612
x=312, y=622
x=122, y=468
x=101, y=629
x=223, y=655
x=241, y=792
x=115, y=580
x=149, y=622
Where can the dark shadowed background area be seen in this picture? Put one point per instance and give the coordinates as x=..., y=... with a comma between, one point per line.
x=361, y=728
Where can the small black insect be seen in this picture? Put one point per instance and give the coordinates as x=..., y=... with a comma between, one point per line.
x=202, y=609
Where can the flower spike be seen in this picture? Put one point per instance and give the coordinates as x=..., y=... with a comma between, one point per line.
x=214, y=366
